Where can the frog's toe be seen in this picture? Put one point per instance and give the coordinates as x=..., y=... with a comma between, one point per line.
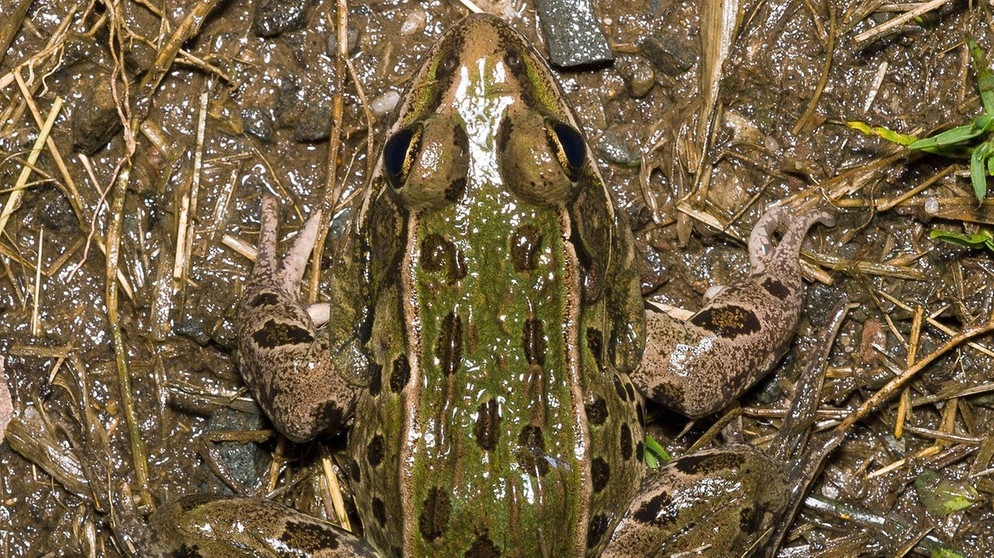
x=288, y=272
x=293, y=265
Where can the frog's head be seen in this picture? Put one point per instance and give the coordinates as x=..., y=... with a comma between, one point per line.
x=484, y=110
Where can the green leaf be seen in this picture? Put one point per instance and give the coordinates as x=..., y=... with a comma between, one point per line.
x=977, y=240
x=941, y=495
x=955, y=136
x=978, y=178
x=885, y=133
x=655, y=455
x=985, y=79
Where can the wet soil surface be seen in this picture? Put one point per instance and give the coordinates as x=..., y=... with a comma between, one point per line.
x=247, y=107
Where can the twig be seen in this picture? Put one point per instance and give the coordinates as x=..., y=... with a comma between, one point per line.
x=188, y=204
x=891, y=388
x=11, y=24
x=37, y=293
x=887, y=26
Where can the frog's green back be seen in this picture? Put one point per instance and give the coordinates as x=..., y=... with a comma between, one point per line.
x=499, y=420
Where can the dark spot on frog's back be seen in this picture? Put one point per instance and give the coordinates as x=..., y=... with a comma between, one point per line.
x=596, y=529
x=448, y=348
x=275, y=334
x=600, y=473
x=487, y=427
x=531, y=452
x=400, y=374
x=776, y=288
x=187, y=552
x=727, y=321
x=308, y=536
x=625, y=439
x=595, y=342
x=660, y=509
x=534, y=342
x=374, y=451
x=374, y=373
x=379, y=511
x=597, y=412
x=748, y=520
x=526, y=244
x=433, y=521
x=440, y=254
x=482, y=547
x=264, y=299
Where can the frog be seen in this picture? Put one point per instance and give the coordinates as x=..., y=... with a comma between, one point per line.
x=487, y=347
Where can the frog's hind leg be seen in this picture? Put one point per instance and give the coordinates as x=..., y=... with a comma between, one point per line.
x=719, y=502
x=283, y=356
x=213, y=527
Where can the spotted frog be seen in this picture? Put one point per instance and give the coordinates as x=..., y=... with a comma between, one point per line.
x=488, y=345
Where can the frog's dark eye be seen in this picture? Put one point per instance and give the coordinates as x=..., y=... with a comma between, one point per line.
x=399, y=154
x=448, y=63
x=513, y=60
x=568, y=145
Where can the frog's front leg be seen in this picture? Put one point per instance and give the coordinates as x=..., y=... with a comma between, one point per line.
x=284, y=358
x=718, y=502
x=697, y=366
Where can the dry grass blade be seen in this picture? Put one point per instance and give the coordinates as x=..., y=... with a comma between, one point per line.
x=188, y=204
x=37, y=285
x=11, y=24
x=823, y=80
x=15, y=196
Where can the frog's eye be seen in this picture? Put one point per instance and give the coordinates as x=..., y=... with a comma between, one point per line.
x=426, y=164
x=541, y=158
x=568, y=145
x=399, y=154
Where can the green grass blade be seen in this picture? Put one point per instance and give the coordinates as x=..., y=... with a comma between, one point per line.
x=977, y=167
x=985, y=78
x=957, y=135
x=880, y=131
x=976, y=240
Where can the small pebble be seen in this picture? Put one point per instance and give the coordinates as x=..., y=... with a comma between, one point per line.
x=414, y=23
x=385, y=103
x=638, y=75
x=258, y=122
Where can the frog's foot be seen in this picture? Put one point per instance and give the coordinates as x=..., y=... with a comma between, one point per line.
x=284, y=359
x=729, y=496
x=212, y=526
x=762, y=249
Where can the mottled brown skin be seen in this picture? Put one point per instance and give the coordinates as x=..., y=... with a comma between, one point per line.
x=302, y=396
x=218, y=527
x=698, y=365
x=746, y=491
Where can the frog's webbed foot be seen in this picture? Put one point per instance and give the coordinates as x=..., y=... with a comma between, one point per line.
x=723, y=500
x=285, y=360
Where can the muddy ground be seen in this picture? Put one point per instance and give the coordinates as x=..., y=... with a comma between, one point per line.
x=247, y=105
